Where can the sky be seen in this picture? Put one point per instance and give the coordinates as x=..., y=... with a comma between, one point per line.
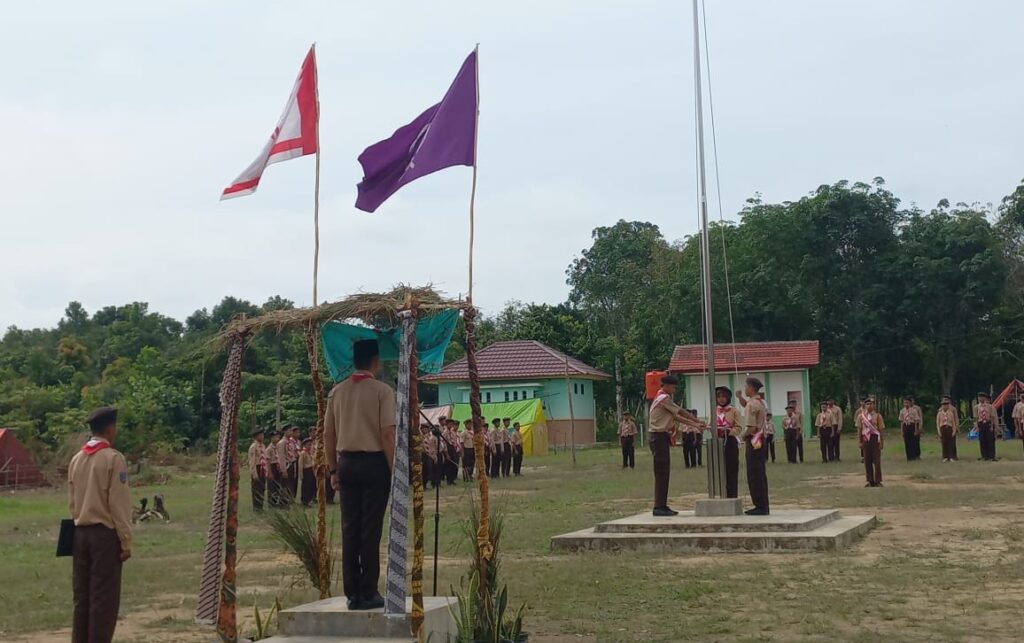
x=125, y=120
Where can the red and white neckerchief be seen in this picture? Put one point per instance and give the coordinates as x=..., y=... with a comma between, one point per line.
x=359, y=376
x=95, y=445
x=983, y=413
x=658, y=399
x=868, y=426
x=722, y=422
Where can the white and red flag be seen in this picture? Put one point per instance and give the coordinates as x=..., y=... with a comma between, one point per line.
x=294, y=136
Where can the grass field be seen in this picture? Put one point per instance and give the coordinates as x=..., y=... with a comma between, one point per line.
x=945, y=564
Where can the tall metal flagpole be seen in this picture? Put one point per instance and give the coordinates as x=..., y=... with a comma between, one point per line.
x=472, y=194
x=716, y=456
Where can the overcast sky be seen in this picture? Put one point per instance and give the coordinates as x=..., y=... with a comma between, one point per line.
x=124, y=121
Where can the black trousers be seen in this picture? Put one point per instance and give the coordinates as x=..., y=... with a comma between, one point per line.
x=495, y=471
x=731, y=453
x=487, y=462
x=293, y=482
x=824, y=436
x=628, y=443
x=468, y=463
x=769, y=445
x=689, y=454
x=96, y=583
x=757, y=476
x=506, y=461
x=451, y=465
x=873, y=460
x=948, y=442
x=987, y=440
x=790, y=437
x=259, y=493
x=275, y=490
x=661, y=447
x=833, y=449
x=308, y=486
x=365, y=481
x=911, y=442
x=517, y=459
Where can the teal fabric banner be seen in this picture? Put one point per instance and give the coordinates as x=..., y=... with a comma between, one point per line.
x=433, y=334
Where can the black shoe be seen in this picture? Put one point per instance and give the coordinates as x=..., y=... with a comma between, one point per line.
x=374, y=602
x=353, y=604
x=664, y=512
x=756, y=512
x=870, y=484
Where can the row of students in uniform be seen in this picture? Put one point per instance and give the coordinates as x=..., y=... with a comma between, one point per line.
x=282, y=471
x=447, y=448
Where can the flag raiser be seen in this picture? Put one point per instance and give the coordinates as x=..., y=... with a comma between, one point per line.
x=442, y=136
x=294, y=136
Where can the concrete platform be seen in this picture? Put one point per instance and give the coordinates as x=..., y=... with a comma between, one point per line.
x=785, y=530
x=331, y=620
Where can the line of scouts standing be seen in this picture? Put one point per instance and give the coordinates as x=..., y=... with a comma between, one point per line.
x=282, y=471
x=447, y=447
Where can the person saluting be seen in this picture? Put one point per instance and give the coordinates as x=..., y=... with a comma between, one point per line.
x=664, y=414
x=102, y=510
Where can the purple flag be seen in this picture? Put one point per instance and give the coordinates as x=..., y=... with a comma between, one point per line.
x=440, y=137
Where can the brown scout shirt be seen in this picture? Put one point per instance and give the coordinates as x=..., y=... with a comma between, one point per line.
x=910, y=415
x=467, y=438
x=98, y=493
x=835, y=415
x=627, y=428
x=257, y=464
x=357, y=414
x=755, y=415
x=990, y=413
x=947, y=417
x=663, y=416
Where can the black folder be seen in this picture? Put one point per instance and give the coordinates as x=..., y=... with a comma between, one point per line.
x=66, y=539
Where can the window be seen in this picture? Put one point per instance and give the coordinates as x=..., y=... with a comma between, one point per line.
x=575, y=388
x=524, y=395
x=515, y=396
x=506, y=396
x=488, y=396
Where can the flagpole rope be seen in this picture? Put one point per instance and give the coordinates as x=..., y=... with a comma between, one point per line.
x=472, y=193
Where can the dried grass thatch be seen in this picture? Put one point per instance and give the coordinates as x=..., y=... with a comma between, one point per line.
x=379, y=310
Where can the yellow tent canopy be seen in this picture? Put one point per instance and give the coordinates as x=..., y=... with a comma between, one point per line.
x=528, y=413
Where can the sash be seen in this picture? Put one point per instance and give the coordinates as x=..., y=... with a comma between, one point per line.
x=983, y=414
x=868, y=427
x=94, y=445
x=945, y=419
x=359, y=376
x=658, y=399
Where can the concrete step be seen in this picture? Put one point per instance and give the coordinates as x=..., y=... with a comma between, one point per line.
x=332, y=618
x=687, y=522
x=835, y=535
x=334, y=639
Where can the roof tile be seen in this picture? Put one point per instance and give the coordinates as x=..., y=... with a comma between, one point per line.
x=751, y=356
x=517, y=359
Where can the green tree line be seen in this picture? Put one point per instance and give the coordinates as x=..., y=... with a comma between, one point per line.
x=903, y=300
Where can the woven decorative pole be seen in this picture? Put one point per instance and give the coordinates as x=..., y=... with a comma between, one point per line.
x=398, y=531
x=483, y=535
x=230, y=393
x=319, y=460
x=416, y=471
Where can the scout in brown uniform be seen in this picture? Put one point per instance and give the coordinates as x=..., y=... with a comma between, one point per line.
x=821, y=423
x=627, y=440
x=452, y=445
x=468, y=451
x=769, y=436
x=506, y=462
x=754, y=436
x=102, y=510
x=258, y=469
x=947, y=424
x=663, y=416
x=727, y=427
x=516, y=439
x=308, y=487
x=1018, y=419
x=872, y=442
x=359, y=438
x=798, y=422
x=910, y=422
x=275, y=475
x=985, y=420
x=790, y=432
x=497, y=449
x=292, y=446
x=836, y=423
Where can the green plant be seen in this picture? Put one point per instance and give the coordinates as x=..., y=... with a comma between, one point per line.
x=263, y=626
x=296, y=530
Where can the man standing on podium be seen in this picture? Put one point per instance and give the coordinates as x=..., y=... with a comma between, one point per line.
x=754, y=436
x=663, y=416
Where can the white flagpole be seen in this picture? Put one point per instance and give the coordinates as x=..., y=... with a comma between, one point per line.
x=316, y=188
x=472, y=194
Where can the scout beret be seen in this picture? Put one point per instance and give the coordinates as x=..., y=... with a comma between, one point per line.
x=945, y=398
x=102, y=417
x=908, y=398
x=258, y=431
x=755, y=383
x=669, y=379
x=984, y=395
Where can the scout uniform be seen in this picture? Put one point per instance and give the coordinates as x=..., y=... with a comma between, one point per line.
x=821, y=423
x=292, y=446
x=1018, y=419
x=308, y=475
x=690, y=438
x=102, y=510
x=910, y=422
x=948, y=426
x=488, y=450
x=517, y=450
x=985, y=420
x=627, y=440
x=727, y=427
x=360, y=412
x=836, y=423
x=506, y=459
x=663, y=416
x=769, y=437
x=452, y=445
x=757, y=477
x=872, y=442
x=790, y=432
x=497, y=449
x=468, y=451
x=258, y=469
x=275, y=475
x=798, y=422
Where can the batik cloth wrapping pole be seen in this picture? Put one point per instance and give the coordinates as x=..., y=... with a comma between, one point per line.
x=227, y=626
x=416, y=471
x=320, y=461
x=483, y=535
x=209, y=588
x=398, y=532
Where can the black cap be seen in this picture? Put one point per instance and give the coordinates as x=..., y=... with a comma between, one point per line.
x=275, y=432
x=755, y=383
x=101, y=418
x=945, y=398
x=908, y=398
x=984, y=395
x=258, y=431
x=506, y=419
x=669, y=380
